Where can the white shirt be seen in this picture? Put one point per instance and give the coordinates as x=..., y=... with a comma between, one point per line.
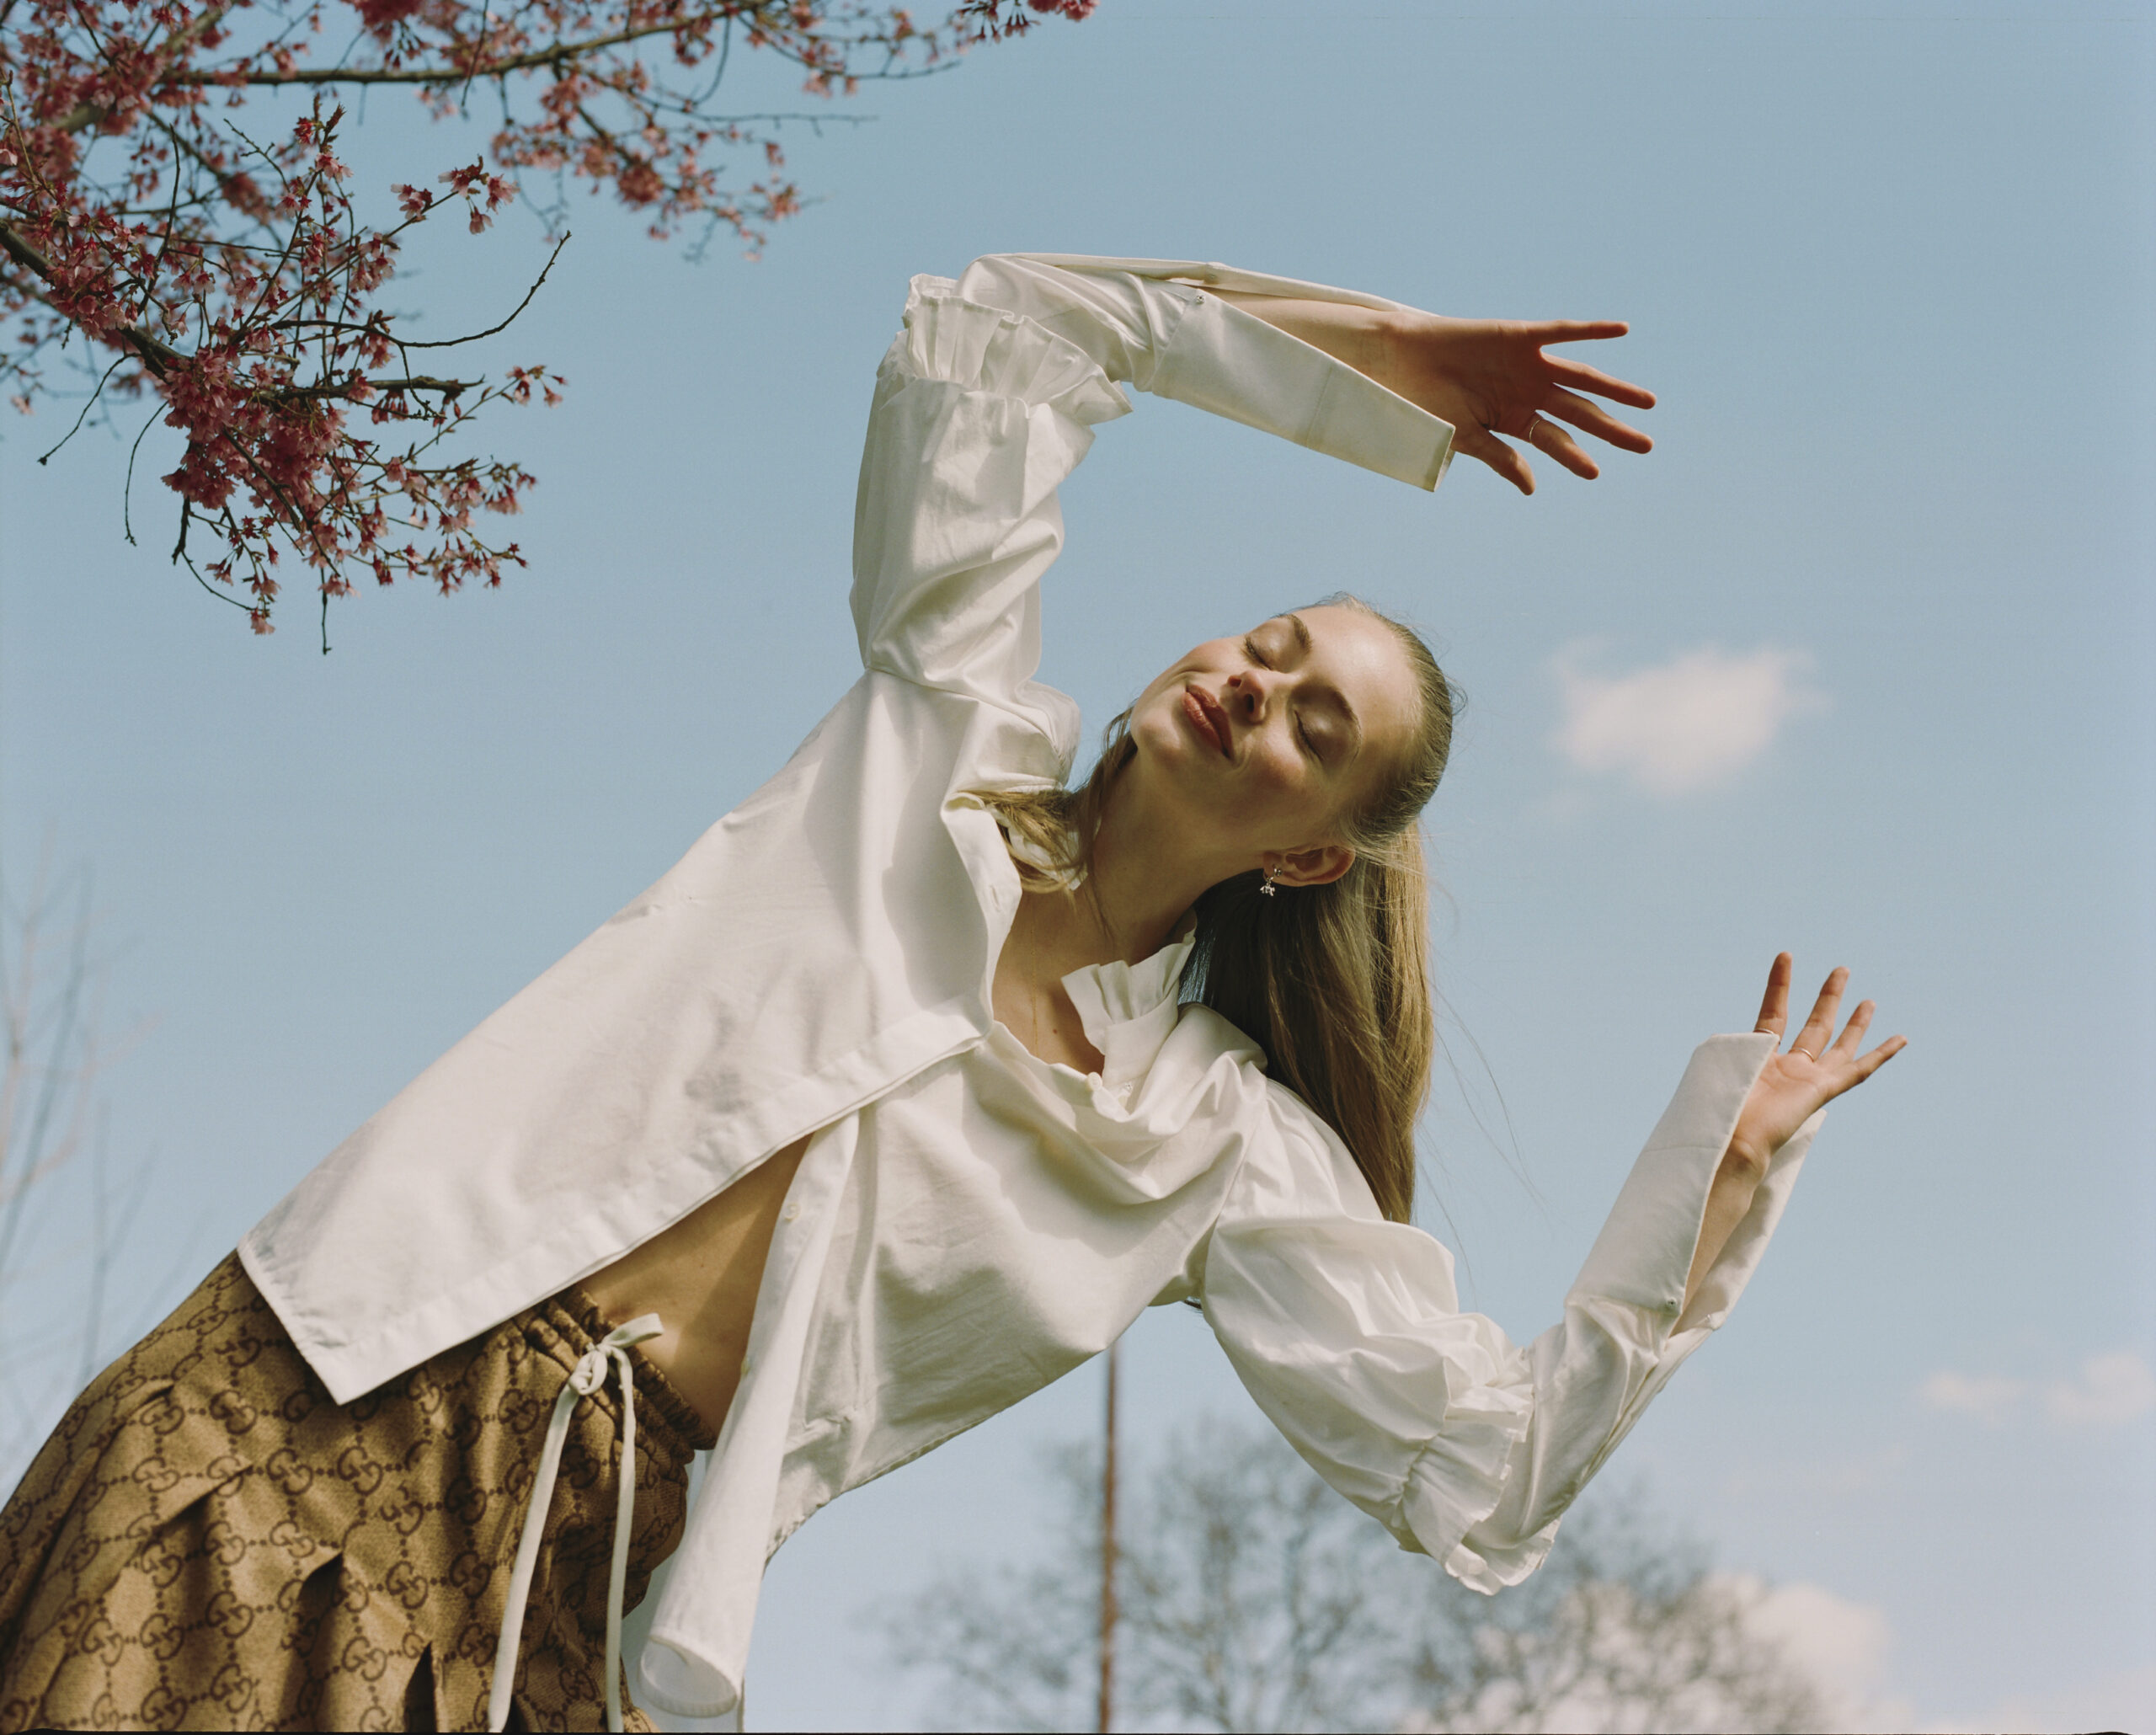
x=970, y=1222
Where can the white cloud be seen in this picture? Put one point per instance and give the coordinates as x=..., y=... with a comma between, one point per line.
x=2114, y=1387
x=1840, y=1644
x=2125, y=1698
x=1844, y=1647
x=2117, y=1387
x=1685, y=724
x=1989, y=1397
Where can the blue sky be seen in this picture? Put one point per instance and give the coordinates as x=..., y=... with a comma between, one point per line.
x=1856, y=663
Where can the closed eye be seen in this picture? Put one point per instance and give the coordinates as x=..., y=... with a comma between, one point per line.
x=1302, y=734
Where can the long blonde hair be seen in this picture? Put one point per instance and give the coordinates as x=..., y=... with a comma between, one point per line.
x=1332, y=981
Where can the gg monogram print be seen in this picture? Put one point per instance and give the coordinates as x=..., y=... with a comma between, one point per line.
x=207, y=1540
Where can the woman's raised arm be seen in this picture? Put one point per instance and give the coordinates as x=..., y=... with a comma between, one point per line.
x=1484, y=377
x=986, y=403
x=1791, y=1087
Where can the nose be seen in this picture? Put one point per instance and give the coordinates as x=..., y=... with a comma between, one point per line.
x=1249, y=692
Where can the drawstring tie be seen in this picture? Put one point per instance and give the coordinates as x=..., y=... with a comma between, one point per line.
x=589, y=1374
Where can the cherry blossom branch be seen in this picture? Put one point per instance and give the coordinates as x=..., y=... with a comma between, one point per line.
x=149, y=243
x=557, y=53
x=158, y=356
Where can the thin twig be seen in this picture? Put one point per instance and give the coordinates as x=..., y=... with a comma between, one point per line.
x=450, y=343
x=127, y=493
x=89, y=403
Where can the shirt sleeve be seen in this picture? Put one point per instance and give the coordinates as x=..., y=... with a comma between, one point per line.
x=1347, y=1329
x=987, y=400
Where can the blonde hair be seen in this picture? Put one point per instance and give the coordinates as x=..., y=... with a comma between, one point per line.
x=1332, y=981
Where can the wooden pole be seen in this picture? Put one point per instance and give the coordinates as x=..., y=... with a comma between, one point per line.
x=1107, y=1560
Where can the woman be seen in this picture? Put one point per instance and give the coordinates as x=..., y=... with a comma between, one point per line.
x=901, y=1095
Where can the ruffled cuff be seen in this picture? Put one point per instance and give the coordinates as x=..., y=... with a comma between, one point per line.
x=1644, y=1253
x=1724, y=1280
x=1235, y=365
x=983, y=349
x=1459, y=1478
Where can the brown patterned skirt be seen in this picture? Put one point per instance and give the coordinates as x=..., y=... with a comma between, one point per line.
x=208, y=1541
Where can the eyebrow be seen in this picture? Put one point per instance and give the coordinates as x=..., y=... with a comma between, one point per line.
x=1339, y=699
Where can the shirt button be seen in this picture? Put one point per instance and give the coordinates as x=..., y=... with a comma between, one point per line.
x=791, y=1211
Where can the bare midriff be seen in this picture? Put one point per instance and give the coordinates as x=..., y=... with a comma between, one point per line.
x=701, y=1275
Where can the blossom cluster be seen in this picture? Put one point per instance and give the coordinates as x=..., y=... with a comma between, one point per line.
x=152, y=242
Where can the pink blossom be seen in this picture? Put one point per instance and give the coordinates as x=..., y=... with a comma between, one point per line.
x=233, y=273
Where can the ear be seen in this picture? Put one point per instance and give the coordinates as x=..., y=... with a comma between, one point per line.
x=1313, y=867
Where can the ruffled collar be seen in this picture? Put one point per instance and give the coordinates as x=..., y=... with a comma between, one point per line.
x=1129, y=1010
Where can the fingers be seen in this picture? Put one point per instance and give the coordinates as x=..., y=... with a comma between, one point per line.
x=1552, y=441
x=1860, y=1067
x=1852, y=1037
x=1844, y=1064
x=1832, y=1070
x=1571, y=331
x=1565, y=371
x=1819, y=1028
x=1865, y=1065
x=1481, y=443
x=1774, y=1010
x=1594, y=419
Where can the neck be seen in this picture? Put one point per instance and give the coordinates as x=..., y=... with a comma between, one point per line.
x=1146, y=874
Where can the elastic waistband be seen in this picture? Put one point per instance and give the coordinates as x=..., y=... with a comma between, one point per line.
x=570, y=1323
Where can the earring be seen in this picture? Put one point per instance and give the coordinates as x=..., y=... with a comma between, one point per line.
x=1267, y=890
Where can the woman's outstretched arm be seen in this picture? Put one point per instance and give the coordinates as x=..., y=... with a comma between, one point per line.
x=1347, y=1329
x=1791, y=1087
x=1484, y=377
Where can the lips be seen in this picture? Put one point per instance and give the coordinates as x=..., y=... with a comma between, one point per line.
x=1207, y=717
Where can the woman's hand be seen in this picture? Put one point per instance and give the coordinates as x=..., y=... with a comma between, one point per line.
x=1791, y=1087
x=1489, y=377
x=1796, y=1083
x=1486, y=376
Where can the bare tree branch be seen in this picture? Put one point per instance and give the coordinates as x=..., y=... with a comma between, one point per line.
x=51, y=1129
x=1253, y=1597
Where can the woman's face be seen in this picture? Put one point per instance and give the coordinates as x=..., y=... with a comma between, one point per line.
x=1269, y=740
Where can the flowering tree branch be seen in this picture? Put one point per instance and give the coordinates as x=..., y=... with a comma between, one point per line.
x=237, y=282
